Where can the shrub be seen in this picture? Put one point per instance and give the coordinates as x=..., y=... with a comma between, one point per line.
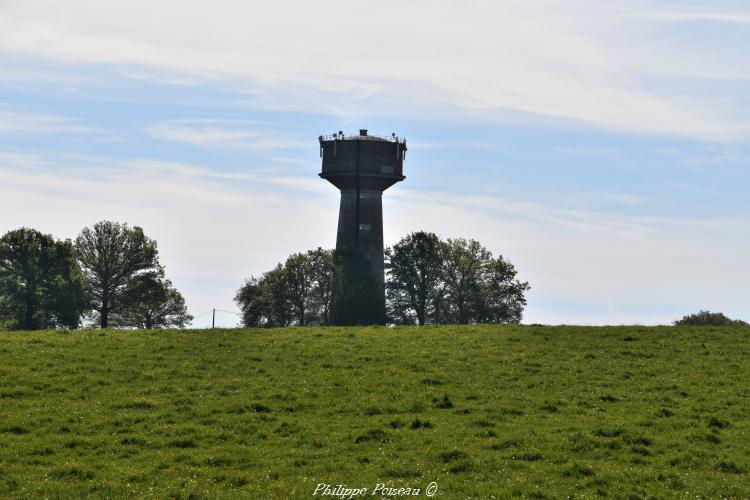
x=707, y=318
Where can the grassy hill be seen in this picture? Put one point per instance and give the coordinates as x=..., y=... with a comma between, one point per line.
x=481, y=410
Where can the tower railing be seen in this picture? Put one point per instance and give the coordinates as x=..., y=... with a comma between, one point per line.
x=343, y=137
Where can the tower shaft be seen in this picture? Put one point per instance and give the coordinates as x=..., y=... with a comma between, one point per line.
x=361, y=227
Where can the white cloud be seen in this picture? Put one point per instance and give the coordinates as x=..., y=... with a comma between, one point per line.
x=203, y=136
x=694, y=15
x=576, y=60
x=20, y=122
x=212, y=134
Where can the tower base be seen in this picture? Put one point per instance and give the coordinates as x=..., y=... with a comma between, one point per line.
x=360, y=298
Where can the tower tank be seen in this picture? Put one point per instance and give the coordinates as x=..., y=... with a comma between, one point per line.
x=362, y=167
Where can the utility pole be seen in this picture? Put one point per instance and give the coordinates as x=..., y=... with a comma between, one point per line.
x=213, y=320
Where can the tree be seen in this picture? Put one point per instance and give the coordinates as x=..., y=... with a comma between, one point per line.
x=707, y=318
x=252, y=300
x=453, y=281
x=413, y=266
x=478, y=287
x=264, y=301
x=277, y=287
x=299, y=279
x=311, y=280
x=152, y=303
x=502, y=299
x=111, y=256
x=41, y=285
x=305, y=290
x=318, y=287
x=463, y=269
x=326, y=276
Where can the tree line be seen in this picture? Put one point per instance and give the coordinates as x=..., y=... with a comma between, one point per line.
x=428, y=281
x=109, y=276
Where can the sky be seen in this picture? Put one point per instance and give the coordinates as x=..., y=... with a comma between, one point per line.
x=601, y=147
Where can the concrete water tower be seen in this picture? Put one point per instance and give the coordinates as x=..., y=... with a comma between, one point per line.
x=362, y=167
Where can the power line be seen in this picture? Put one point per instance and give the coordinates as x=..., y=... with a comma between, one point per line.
x=229, y=312
x=213, y=317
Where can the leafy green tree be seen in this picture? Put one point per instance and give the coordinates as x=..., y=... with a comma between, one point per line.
x=463, y=268
x=318, y=287
x=41, y=285
x=479, y=288
x=277, y=286
x=253, y=300
x=707, y=318
x=453, y=281
x=502, y=299
x=265, y=301
x=413, y=266
x=111, y=256
x=326, y=276
x=311, y=278
x=299, y=280
x=153, y=303
x=300, y=292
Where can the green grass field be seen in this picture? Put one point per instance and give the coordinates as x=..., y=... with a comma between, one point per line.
x=482, y=411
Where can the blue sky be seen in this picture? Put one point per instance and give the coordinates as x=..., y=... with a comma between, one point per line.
x=603, y=149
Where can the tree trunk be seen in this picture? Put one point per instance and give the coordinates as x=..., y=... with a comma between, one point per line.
x=28, y=320
x=105, y=311
x=28, y=314
x=461, y=311
x=421, y=306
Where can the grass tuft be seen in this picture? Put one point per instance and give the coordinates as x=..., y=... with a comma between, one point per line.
x=444, y=403
x=729, y=467
x=184, y=443
x=14, y=429
x=377, y=435
x=717, y=423
x=579, y=471
x=452, y=455
x=529, y=457
x=72, y=473
x=420, y=424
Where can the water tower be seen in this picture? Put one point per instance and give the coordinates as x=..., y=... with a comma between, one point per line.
x=362, y=167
